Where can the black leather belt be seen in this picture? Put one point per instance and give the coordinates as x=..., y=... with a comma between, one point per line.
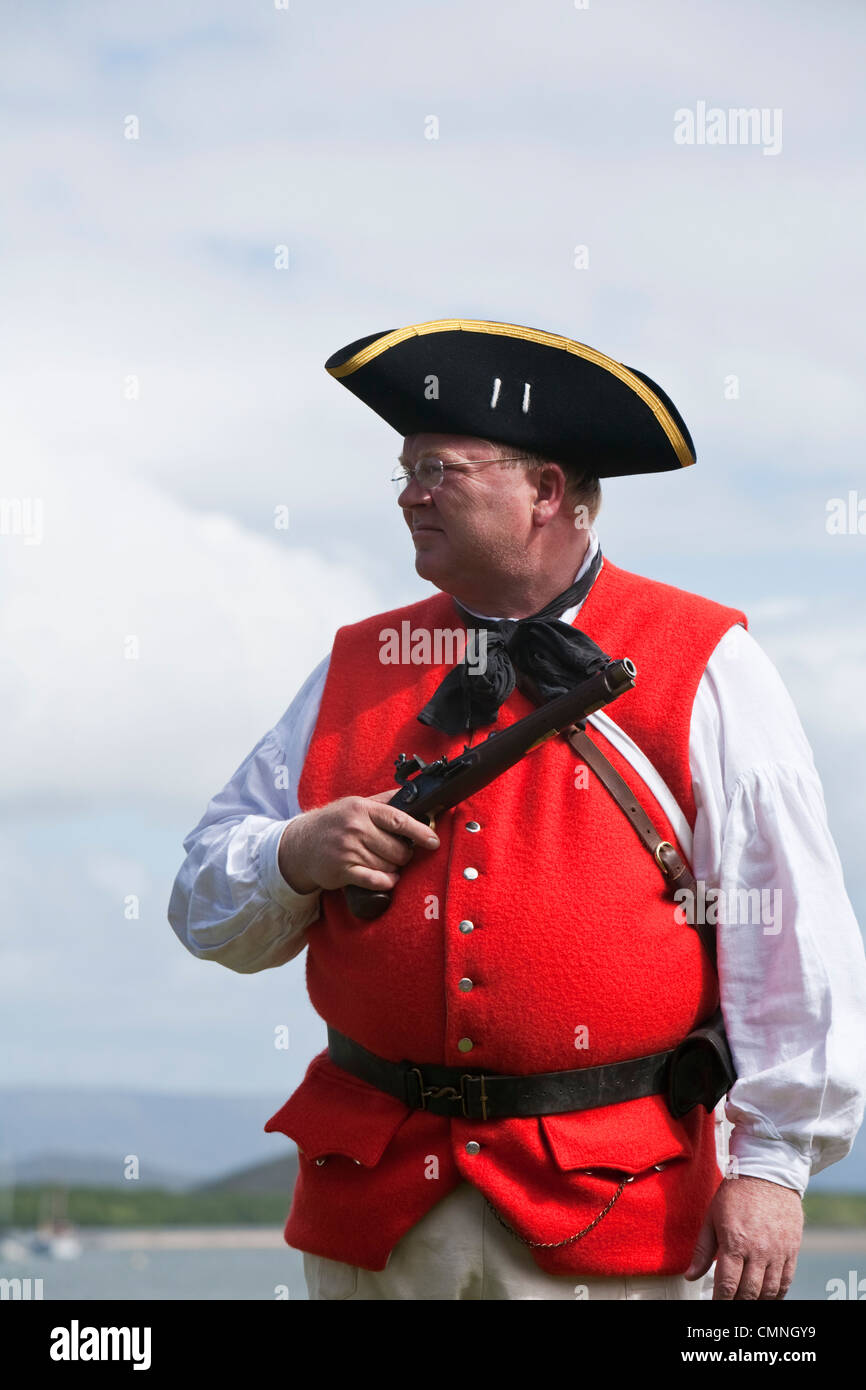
x=454, y=1091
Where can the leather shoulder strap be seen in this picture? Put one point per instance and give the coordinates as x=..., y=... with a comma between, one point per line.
x=676, y=871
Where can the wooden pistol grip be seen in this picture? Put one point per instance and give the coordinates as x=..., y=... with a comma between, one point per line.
x=366, y=903
x=370, y=903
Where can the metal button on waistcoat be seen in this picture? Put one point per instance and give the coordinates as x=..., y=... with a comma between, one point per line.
x=473, y=1147
x=465, y=984
x=320, y=1161
x=465, y=1045
x=470, y=873
x=472, y=825
x=466, y=926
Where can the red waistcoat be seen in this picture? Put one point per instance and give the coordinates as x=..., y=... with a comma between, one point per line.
x=574, y=955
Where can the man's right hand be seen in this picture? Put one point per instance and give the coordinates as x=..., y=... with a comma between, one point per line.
x=358, y=839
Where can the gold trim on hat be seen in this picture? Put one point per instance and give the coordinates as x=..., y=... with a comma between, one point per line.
x=531, y=335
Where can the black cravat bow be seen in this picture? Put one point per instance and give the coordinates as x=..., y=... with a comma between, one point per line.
x=552, y=656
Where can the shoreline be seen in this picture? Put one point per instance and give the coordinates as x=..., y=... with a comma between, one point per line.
x=817, y=1239
x=183, y=1238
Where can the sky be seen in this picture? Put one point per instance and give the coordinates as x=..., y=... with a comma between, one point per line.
x=164, y=392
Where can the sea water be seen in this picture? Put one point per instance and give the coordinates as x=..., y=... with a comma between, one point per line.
x=278, y=1275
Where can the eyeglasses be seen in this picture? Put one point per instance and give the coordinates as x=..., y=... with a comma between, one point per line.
x=429, y=472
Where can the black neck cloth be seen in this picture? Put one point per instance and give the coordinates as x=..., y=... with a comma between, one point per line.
x=551, y=656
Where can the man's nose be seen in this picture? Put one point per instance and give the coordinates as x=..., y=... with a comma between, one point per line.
x=413, y=494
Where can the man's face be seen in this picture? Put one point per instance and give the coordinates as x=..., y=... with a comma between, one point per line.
x=477, y=523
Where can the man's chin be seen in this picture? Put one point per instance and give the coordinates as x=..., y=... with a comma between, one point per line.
x=434, y=569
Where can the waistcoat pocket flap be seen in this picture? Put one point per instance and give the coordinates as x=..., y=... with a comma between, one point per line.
x=630, y=1137
x=332, y=1112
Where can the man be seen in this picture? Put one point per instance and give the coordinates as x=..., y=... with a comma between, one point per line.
x=530, y=931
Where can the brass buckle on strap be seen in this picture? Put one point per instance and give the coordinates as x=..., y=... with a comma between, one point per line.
x=662, y=844
x=450, y=1093
x=466, y=1077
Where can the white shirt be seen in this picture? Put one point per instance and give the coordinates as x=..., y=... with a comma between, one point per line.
x=793, y=989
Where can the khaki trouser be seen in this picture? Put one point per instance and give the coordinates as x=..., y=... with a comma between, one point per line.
x=460, y=1250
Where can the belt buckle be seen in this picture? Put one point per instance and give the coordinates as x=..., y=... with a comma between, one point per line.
x=450, y=1093
x=422, y=1093
x=433, y=1092
x=464, y=1098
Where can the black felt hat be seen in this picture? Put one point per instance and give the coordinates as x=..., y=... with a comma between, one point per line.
x=536, y=391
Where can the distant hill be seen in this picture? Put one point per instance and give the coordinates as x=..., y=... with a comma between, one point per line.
x=257, y=1194
x=277, y=1176
x=76, y=1170
x=181, y=1139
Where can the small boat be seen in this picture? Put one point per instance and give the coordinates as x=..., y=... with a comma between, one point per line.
x=55, y=1235
x=58, y=1243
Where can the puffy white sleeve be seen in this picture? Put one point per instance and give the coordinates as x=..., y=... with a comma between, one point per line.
x=792, y=969
x=230, y=903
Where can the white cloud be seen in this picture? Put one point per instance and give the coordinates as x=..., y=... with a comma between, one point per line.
x=227, y=625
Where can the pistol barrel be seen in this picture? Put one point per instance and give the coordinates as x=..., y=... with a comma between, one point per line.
x=482, y=764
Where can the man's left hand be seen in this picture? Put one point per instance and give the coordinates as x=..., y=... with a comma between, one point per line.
x=753, y=1230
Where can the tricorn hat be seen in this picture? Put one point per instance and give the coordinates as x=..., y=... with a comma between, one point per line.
x=536, y=391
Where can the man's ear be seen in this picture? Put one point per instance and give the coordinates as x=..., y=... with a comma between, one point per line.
x=550, y=486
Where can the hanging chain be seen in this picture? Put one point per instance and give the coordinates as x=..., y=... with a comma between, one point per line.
x=555, y=1244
